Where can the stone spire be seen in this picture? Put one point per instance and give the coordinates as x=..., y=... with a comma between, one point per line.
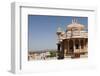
x=74, y=20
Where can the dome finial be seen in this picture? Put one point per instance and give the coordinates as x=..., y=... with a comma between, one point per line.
x=74, y=20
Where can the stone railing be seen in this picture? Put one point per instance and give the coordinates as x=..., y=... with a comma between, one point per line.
x=77, y=34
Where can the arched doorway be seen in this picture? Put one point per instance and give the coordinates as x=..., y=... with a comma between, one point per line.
x=71, y=50
x=82, y=45
x=76, y=44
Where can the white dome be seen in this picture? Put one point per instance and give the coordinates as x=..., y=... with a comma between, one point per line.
x=75, y=25
x=59, y=29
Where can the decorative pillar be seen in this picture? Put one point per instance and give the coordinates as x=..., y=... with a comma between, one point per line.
x=86, y=44
x=65, y=48
x=74, y=46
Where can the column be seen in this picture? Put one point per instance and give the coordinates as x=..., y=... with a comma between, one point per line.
x=86, y=45
x=74, y=46
x=65, y=48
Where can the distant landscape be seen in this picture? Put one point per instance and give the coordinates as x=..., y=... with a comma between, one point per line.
x=42, y=54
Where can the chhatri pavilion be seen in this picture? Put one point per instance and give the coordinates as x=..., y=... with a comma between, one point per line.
x=73, y=42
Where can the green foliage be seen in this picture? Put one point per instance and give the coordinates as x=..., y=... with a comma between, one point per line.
x=53, y=53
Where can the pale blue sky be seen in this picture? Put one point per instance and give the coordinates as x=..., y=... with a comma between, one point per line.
x=42, y=30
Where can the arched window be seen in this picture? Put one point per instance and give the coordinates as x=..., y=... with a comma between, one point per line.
x=77, y=44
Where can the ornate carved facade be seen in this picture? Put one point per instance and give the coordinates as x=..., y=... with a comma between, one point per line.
x=73, y=42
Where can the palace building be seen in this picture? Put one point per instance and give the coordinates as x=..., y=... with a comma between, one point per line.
x=73, y=42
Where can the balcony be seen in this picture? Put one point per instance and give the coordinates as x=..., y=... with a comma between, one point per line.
x=77, y=34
